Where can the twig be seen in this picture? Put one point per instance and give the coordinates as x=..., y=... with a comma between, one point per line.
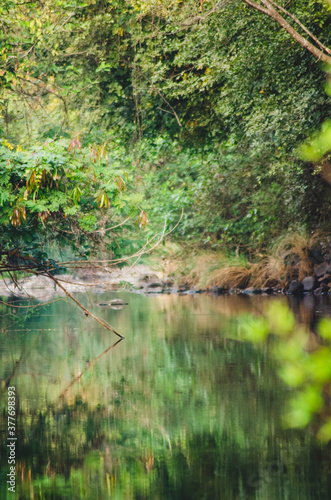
x=195, y=19
x=163, y=98
x=64, y=22
x=161, y=238
x=15, y=306
x=142, y=251
x=157, y=90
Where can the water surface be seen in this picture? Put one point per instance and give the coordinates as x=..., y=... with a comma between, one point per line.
x=180, y=409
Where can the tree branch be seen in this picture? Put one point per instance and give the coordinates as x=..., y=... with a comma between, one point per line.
x=86, y=311
x=296, y=20
x=269, y=9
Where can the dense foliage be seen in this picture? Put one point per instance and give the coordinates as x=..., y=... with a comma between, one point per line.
x=61, y=191
x=205, y=102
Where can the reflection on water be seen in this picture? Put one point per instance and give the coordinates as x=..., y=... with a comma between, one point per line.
x=181, y=409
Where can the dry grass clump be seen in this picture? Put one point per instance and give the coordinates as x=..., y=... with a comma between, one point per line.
x=230, y=277
x=293, y=249
x=288, y=259
x=216, y=269
x=197, y=270
x=269, y=272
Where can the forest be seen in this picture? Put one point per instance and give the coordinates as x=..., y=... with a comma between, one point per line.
x=120, y=119
x=192, y=138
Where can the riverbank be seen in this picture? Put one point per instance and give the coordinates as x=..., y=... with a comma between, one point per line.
x=138, y=278
x=295, y=264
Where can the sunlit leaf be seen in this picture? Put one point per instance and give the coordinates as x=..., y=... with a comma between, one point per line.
x=324, y=328
x=255, y=329
x=281, y=319
x=324, y=433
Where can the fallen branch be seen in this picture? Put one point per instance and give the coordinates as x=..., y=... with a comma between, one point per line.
x=86, y=311
x=34, y=268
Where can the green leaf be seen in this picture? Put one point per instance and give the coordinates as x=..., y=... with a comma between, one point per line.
x=254, y=329
x=324, y=328
x=281, y=319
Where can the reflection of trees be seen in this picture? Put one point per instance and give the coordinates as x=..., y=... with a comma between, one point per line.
x=180, y=410
x=165, y=430
x=117, y=453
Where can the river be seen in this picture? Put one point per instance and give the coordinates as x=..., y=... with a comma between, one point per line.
x=182, y=408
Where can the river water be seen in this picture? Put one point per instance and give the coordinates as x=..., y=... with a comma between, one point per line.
x=182, y=408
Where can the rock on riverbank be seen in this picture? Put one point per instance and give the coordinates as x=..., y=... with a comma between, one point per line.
x=139, y=278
